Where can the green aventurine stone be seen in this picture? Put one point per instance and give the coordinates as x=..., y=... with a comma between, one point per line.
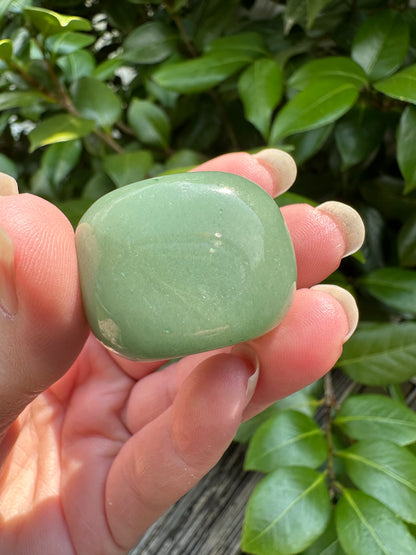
x=185, y=263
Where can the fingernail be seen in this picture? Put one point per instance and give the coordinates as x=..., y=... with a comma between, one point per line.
x=349, y=221
x=346, y=300
x=8, y=298
x=8, y=185
x=282, y=164
x=249, y=355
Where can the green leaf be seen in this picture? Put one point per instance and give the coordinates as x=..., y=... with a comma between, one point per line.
x=97, y=186
x=49, y=22
x=380, y=354
x=4, y=6
x=200, y=74
x=381, y=44
x=59, y=159
x=385, y=471
x=149, y=43
x=68, y=42
x=401, y=85
x=305, y=145
x=406, y=243
x=395, y=287
x=288, y=438
x=365, y=525
x=327, y=543
x=21, y=99
x=149, y=122
x=316, y=106
x=406, y=139
x=332, y=67
x=358, y=134
x=371, y=416
x=128, y=167
x=74, y=209
x=95, y=100
x=260, y=88
x=107, y=68
x=251, y=44
x=300, y=401
x=77, y=65
x=8, y=166
x=314, y=8
x=58, y=129
x=288, y=510
x=6, y=49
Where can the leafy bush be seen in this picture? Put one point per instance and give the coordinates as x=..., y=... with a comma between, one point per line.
x=130, y=89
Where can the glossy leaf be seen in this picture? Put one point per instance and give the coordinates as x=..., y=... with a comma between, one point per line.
x=381, y=354
x=314, y=8
x=401, y=85
x=316, y=106
x=332, y=67
x=59, y=159
x=95, y=100
x=406, y=140
x=300, y=401
x=395, y=287
x=21, y=99
x=365, y=525
x=327, y=543
x=149, y=43
x=150, y=123
x=371, y=416
x=406, y=243
x=49, y=22
x=74, y=209
x=385, y=471
x=253, y=45
x=68, y=42
x=8, y=166
x=6, y=49
x=305, y=145
x=200, y=74
x=76, y=65
x=381, y=44
x=58, y=129
x=358, y=134
x=106, y=69
x=128, y=167
x=260, y=88
x=288, y=510
x=289, y=438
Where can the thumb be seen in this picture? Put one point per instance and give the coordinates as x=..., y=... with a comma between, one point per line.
x=42, y=325
x=167, y=457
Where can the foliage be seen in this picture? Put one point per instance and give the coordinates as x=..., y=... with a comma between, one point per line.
x=95, y=94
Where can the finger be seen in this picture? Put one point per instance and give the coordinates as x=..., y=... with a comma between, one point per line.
x=272, y=169
x=306, y=344
x=169, y=456
x=42, y=323
x=321, y=237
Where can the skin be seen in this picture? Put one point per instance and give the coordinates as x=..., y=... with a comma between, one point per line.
x=95, y=448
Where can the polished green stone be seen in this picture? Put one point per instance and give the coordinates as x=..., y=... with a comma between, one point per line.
x=182, y=264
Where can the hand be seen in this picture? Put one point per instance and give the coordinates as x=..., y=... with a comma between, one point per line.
x=94, y=447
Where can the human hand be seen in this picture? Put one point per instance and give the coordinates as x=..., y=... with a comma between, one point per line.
x=102, y=446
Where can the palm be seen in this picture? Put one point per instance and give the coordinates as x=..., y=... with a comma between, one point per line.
x=69, y=437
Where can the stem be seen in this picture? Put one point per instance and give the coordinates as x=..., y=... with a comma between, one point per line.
x=63, y=97
x=330, y=404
